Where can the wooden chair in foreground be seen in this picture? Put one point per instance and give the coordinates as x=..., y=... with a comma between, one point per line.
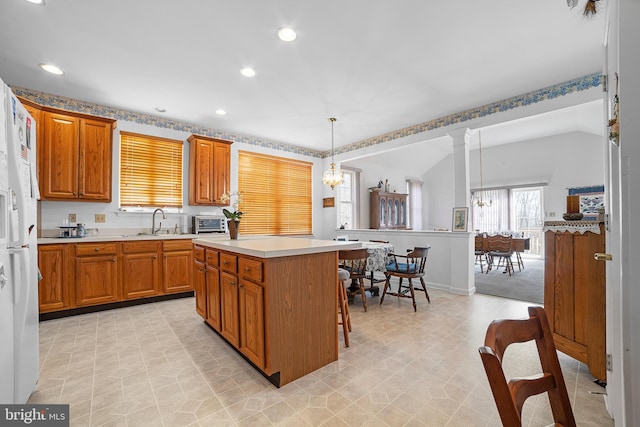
x=510, y=396
x=355, y=262
x=409, y=266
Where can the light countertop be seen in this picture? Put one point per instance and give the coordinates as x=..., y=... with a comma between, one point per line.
x=124, y=238
x=274, y=247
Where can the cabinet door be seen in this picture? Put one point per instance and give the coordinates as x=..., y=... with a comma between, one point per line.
x=59, y=177
x=213, y=298
x=96, y=280
x=221, y=172
x=251, y=310
x=229, y=308
x=52, y=293
x=200, y=287
x=177, y=270
x=140, y=275
x=201, y=172
x=94, y=164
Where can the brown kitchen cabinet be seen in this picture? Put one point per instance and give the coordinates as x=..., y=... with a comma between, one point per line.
x=574, y=295
x=200, y=281
x=140, y=269
x=209, y=170
x=387, y=210
x=75, y=157
x=54, y=288
x=96, y=273
x=177, y=266
x=213, y=289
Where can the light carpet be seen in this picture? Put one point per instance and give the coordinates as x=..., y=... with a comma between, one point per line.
x=525, y=285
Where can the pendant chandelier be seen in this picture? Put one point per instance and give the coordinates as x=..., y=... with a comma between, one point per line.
x=332, y=176
x=477, y=200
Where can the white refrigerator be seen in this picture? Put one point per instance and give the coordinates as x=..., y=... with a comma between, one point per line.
x=19, y=348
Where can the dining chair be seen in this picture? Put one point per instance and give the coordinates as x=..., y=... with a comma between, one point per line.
x=501, y=248
x=355, y=262
x=511, y=395
x=344, y=317
x=410, y=266
x=481, y=254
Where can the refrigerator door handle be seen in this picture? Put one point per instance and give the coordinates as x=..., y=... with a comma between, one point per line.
x=19, y=263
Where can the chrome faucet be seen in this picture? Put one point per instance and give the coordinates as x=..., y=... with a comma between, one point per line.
x=153, y=222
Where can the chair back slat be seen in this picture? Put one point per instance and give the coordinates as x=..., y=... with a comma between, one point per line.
x=355, y=261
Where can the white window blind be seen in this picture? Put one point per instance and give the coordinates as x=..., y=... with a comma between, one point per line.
x=150, y=171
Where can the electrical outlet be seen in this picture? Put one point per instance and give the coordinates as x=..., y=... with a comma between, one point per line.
x=101, y=218
x=72, y=218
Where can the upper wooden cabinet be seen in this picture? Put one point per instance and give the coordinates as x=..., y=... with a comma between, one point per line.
x=76, y=157
x=209, y=170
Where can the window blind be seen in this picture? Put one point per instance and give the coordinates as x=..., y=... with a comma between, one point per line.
x=150, y=171
x=276, y=194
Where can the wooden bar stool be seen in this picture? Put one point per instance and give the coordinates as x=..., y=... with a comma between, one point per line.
x=344, y=318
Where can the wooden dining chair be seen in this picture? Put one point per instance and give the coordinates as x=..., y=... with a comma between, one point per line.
x=355, y=262
x=511, y=395
x=410, y=266
x=501, y=248
x=344, y=317
x=480, y=252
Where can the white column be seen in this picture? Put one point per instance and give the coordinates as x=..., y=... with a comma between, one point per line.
x=462, y=273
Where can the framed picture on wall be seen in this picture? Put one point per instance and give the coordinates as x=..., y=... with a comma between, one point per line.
x=460, y=219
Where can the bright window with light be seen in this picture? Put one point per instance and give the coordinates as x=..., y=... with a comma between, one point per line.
x=348, y=200
x=414, y=190
x=150, y=171
x=276, y=195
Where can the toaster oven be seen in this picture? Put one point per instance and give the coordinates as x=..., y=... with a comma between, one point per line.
x=209, y=224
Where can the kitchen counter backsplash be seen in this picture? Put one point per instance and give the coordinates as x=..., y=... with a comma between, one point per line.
x=117, y=234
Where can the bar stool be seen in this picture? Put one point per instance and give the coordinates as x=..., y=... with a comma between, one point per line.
x=344, y=317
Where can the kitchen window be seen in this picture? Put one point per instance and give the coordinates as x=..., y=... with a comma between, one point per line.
x=276, y=195
x=348, y=199
x=150, y=171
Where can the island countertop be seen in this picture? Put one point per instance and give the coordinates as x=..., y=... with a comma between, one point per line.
x=274, y=247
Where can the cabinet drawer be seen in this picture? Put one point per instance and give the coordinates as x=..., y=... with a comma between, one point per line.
x=212, y=257
x=176, y=245
x=250, y=269
x=198, y=253
x=140, y=247
x=228, y=262
x=85, y=249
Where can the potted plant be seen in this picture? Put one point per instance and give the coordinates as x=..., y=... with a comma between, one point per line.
x=233, y=216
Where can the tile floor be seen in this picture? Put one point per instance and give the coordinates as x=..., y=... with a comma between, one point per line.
x=160, y=365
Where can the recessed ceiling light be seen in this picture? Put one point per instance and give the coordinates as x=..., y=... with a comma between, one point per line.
x=50, y=68
x=39, y=2
x=160, y=110
x=248, y=72
x=286, y=34
x=221, y=112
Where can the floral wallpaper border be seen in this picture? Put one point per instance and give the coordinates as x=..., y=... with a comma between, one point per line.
x=555, y=91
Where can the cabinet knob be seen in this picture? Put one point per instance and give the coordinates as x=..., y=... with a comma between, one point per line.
x=225, y=262
x=113, y=260
x=602, y=257
x=97, y=249
x=239, y=285
x=247, y=269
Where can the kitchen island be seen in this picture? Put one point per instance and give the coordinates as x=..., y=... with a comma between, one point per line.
x=273, y=299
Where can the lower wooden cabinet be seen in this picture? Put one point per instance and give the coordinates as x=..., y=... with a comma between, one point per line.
x=96, y=274
x=230, y=327
x=86, y=274
x=251, y=313
x=199, y=282
x=53, y=289
x=140, y=269
x=177, y=266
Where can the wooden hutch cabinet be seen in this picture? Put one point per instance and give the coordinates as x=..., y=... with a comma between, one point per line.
x=574, y=291
x=387, y=210
x=209, y=170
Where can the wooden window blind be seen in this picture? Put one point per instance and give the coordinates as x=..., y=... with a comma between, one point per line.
x=150, y=171
x=276, y=195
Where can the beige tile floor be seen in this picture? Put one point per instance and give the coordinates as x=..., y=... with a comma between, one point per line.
x=160, y=365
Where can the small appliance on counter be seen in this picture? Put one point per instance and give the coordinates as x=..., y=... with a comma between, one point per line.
x=209, y=224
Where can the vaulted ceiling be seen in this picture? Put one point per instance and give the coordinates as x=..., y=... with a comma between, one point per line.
x=376, y=66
